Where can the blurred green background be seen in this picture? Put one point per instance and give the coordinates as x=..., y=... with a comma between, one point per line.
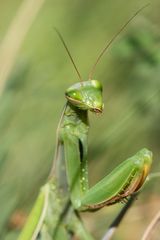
x=34, y=74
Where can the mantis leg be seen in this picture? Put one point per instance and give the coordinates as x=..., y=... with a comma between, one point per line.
x=75, y=169
x=76, y=226
x=124, y=180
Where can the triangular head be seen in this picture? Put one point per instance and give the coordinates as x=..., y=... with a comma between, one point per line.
x=86, y=95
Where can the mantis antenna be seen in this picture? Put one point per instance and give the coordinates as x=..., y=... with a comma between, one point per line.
x=69, y=54
x=113, y=39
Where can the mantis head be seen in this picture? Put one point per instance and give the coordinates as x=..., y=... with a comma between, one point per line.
x=86, y=95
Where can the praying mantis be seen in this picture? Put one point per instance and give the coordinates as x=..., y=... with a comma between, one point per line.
x=55, y=214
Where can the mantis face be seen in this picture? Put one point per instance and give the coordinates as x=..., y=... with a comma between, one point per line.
x=86, y=95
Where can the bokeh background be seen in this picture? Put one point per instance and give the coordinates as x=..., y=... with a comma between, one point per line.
x=34, y=74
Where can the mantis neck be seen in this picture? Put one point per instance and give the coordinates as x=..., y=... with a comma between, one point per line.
x=77, y=118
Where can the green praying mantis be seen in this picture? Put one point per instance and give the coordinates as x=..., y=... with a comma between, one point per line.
x=55, y=215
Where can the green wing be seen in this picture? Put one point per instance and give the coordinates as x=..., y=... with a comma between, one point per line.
x=43, y=222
